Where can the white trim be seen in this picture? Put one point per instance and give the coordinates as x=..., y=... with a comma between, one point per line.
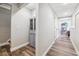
x=5, y=43
x=37, y=29
x=48, y=48
x=57, y=36
x=75, y=47
x=18, y=47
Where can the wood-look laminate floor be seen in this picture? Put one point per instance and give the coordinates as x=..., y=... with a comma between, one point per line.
x=25, y=51
x=62, y=47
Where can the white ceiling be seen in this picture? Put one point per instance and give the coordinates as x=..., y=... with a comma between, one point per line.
x=31, y=6
x=62, y=9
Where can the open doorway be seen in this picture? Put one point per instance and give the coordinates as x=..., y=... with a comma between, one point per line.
x=17, y=29
x=5, y=28
x=65, y=25
x=23, y=21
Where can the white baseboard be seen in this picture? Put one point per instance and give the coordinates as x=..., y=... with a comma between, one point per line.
x=18, y=47
x=75, y=47
x=5, y=43
x=57, y=37
x=48, y=48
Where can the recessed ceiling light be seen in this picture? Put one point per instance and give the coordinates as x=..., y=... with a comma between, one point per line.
x=65, y=3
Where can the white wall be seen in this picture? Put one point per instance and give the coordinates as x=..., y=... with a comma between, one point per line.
x=76, y=41
x=5, y=25
x=56, y=27
x=73, y=16
x=19, y=27
x=45, y=29
x=75, y=34
x=75, y=30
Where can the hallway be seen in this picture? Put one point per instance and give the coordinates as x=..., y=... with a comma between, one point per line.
x=62, y=47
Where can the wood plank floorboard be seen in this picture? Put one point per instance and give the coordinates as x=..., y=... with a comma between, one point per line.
x=24, y=51
x=62, y=47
